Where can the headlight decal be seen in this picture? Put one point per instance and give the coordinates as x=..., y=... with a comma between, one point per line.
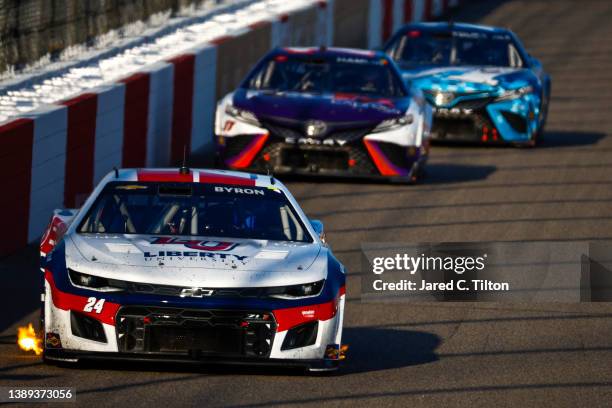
x=297, y=291
x=242, y=115
x=394, y=123
x=514, y=93
x=97, y=283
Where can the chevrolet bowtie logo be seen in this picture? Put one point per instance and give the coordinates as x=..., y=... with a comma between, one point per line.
x=196, y=292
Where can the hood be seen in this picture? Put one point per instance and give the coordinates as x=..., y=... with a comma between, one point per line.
x=468, y=79
x=195, y=261
x=295, y=106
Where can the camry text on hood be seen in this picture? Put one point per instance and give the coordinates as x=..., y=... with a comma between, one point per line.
x=191, y=265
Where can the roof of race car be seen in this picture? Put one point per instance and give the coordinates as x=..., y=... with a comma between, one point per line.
x=458, y=27
x=174, y=175
x=329, y=52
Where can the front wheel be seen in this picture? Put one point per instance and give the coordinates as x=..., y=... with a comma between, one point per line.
x=417, y=173
x=537, y=137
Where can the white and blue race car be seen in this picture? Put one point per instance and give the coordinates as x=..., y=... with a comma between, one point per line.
x=191, y=265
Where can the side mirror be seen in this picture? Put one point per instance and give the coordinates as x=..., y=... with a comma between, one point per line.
x=317, y=225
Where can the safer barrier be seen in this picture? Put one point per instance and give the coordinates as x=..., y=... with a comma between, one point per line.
x=52, y=157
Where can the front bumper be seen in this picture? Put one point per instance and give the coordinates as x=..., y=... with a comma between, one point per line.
x=192, y=331
x=363, y=158
x=74, y=356
x=487, y=121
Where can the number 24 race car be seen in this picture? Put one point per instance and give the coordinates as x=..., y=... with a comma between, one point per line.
x=191, y=265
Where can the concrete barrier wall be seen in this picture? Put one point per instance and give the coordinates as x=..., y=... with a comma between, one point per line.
x=54, y=156
x=237, y=54
x=351, y=25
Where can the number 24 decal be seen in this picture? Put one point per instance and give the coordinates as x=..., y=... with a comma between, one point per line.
x=94, y=304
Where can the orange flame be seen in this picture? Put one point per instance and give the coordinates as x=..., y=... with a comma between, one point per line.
x=28, y=341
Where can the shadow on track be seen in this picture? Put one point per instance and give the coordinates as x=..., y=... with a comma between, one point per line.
x=8, y=373
x=443, y=173
x=371, y=349
x=435, y=173
x=375, y=349
x=550, y=139
x=567, y=139
x=358, y=398
x=20, y=283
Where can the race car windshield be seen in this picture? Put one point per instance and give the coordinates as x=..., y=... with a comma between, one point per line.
x=194, y=209
x=306, y=74
x=418, y=49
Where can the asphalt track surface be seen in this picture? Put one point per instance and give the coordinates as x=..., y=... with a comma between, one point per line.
x=431, y=354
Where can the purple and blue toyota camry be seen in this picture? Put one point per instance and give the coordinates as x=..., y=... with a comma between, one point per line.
x=325, y=111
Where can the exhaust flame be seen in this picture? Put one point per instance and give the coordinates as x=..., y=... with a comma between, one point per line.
x=28, y=341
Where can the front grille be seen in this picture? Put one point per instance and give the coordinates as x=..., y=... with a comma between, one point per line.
x=468, y=128
x=444, y=128
x=349, y=159
x=195, y=332
x=474, y=104
x=314, y=158
x=168, y=339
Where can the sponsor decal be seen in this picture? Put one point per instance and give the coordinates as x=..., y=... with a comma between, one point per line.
x=195, y=244
x=239, y=190
x=54, y=233
x=94, y=305
x=192, y=255
x=131, y=187
x=362, y=102
x=211, y=250
x=357, y=60
x=313, y=141
x=53, y=340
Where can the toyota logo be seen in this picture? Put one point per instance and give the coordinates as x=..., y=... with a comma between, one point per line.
x=444, y=98
x=315, y=128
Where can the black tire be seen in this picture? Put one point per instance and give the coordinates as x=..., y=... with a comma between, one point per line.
x=403, y=180
x=544, y=111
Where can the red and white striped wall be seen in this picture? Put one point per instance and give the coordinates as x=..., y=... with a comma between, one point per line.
x=54, y=156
